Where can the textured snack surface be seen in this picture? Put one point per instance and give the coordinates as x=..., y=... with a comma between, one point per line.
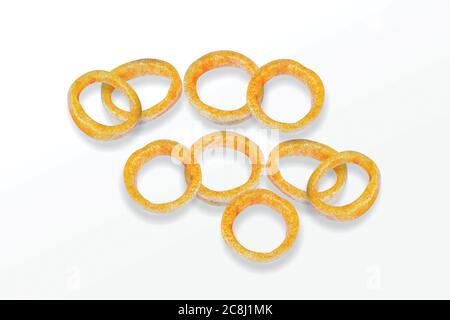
x=213, y=60
x=145, y=67
x=162, y=148
x=272, y=200
x=292, y=68
x=88, y=125
x=358, y=207
x=302, y=147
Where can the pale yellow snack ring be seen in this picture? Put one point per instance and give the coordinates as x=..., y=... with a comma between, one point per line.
x=272, y=200
x=307, y=148
x=88, y=125
x=358, y=207
x=145, y=67
x=206, y=63
x=162, y=148
x=237, y=142
x=295, y=69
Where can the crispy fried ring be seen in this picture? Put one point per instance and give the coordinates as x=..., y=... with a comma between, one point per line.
x=272, y=200
x=301, y=147
x=139, y=68
x=237, y=142
x=87, y=124
x=358, y=207
x=295, y=69
x=157, y=148
x=206, y=63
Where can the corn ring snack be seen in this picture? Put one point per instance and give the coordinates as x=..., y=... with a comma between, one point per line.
x=158, y=148
x=300, y=147
x=358, y=207
x=139, y=68
x=239, y=143
x=206, y=63
x=88, y=125
x=295, y=69
x=272, y=200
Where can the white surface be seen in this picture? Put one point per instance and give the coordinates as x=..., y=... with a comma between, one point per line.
x=69, y=230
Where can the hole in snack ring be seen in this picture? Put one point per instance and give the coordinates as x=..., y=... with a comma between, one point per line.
x=167, y=171
x=286, y=99
x=259, y=228
x=224, y=168
x=224, y=87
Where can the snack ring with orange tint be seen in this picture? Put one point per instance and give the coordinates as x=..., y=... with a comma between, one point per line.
x=272, y=200
x=145, y=67
x=292, y=68
x=358, y=207
x=162, y=148
x=236, y=142
x=308, y=148
x=206, y=63
x=88, y=125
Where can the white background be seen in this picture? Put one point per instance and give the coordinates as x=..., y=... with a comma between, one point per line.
x=68, y=228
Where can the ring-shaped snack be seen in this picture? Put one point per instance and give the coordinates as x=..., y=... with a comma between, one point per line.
x=144, y=67
x=307, y=148
x=272, y=200
x=206, y=63
x=88, y=125
x=228, y=139
x=162, y=148
x=358, y=207
x=292, y=68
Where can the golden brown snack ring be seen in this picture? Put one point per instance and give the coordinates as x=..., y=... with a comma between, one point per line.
x=158, y=148
x=358, y=207
x=301, y=147
x=237, y=142
x=206, y=63
x=87, y=124
x=139, y=68
x=295, y=69
x=272, y=200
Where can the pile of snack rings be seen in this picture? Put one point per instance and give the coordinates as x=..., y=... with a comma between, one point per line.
x=239, y=198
